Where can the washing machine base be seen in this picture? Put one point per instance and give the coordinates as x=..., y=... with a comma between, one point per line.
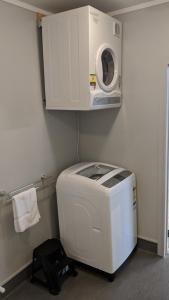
x=109, y=276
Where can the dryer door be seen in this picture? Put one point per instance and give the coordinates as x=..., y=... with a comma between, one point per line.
x=106, y=68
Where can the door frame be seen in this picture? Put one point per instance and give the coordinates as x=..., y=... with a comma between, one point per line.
x=163, y=206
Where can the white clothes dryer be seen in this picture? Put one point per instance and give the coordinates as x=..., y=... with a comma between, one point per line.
x=82, y=60
x=105, y=58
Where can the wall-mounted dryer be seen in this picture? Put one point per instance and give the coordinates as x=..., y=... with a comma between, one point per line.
x=82, y=60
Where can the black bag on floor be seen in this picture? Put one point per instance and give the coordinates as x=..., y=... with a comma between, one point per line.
x=51, y=265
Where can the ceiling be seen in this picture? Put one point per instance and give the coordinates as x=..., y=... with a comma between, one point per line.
x=104, y=5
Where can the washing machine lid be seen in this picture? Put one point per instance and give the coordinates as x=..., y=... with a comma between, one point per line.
x=107, y=68
x=96, y=171
x=117, y=178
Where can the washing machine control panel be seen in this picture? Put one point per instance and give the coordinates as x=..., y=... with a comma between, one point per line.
x=116, y=179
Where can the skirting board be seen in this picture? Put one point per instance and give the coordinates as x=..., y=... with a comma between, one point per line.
x=16, y=280
x=147, y=245
x=26, y=273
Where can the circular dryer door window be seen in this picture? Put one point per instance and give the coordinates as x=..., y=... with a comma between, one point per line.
x=106, y=68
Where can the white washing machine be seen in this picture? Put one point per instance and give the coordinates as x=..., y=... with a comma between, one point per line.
x=82, y=60
x=97, y=214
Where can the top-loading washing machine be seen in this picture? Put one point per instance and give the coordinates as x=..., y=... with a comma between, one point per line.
x=82, y=60
x=97, y=214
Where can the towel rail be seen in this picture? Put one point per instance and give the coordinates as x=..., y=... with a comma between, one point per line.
x=45, y=181
x=2, y=290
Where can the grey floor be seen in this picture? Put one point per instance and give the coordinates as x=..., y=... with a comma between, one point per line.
x=144, y=277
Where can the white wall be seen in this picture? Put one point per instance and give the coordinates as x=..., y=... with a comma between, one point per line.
x=33, y=141
x=134, y=135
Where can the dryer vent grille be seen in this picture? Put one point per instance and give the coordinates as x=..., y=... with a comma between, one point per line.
x=106, y=100
x=116, y=29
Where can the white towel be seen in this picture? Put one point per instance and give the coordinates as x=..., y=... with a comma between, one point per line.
x=25, y=210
